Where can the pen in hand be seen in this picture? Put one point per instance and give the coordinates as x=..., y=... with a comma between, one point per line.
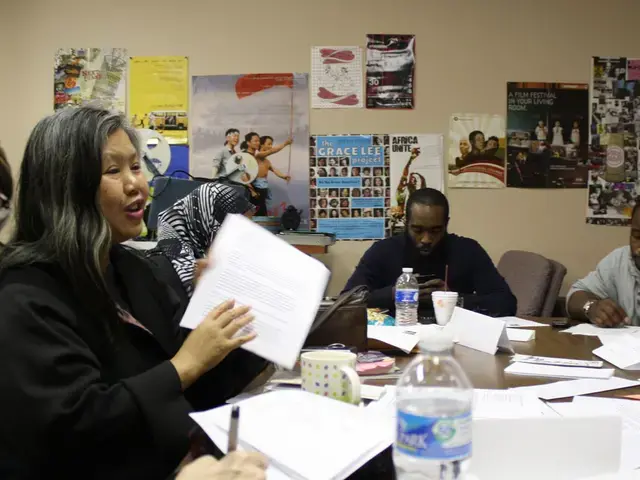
x=233, y=429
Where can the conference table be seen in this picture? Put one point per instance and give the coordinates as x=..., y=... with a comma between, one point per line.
x=487, y=371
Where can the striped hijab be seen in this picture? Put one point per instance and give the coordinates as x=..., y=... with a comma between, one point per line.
x=187, y=229
x=6, y=188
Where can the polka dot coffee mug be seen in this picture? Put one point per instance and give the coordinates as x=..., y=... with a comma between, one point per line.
x=331, y=373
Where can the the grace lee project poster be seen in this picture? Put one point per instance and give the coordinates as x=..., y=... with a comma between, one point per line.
x=614, y=186
x=336, y=77
x=90, y=75
x=350, y=185
x=263, y=119
x=416, y=162
x=476, y=151
x=390, y=71
x=547, y=135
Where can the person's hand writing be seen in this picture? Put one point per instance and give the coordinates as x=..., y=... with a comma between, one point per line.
x=212, y=341
x=427, y=288
x=607, y=313
x=236, y=465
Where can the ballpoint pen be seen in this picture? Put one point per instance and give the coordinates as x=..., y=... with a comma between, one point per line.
x=233, y=429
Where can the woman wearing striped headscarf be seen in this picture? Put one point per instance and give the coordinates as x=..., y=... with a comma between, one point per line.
x=6, y=188
x=187, y=229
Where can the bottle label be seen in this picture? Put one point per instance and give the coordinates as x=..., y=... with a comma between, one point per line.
x=434, y=438
x=406, y=296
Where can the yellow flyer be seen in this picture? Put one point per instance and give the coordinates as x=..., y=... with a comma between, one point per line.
x=159, y=96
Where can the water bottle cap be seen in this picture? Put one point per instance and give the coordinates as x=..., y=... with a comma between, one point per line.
x=433, y=338
x=407, y=270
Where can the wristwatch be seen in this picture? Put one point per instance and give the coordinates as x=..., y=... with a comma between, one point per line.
x=586, y=308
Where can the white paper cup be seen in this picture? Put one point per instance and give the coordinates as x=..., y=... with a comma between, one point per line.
x=443, y=305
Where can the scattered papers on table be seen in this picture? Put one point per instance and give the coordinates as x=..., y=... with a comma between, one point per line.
x=531, y=369
x=622, y=351
x=404, y=338
x=571, y=388
x=563, y=362
x=628, y=410
x=515, y=322
x=304, y=435
x=520, y=335
x=591, y=330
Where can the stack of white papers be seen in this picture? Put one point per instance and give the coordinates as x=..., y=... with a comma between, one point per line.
x=534, y=370
x=305, y=436
x=404, y=338
x=562, y=362
x=283, y=286
x=623, y=351
x=571, y=388
x=628, y=410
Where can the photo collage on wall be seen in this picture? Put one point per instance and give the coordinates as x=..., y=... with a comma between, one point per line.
x=614, y=186
x=350, y=185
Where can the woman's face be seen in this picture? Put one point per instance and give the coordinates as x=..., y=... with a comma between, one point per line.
x=123, y=188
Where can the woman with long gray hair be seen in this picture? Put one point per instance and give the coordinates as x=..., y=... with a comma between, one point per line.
x=97, y=379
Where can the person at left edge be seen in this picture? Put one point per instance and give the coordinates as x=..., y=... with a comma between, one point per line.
x=428, y=247
x=97, y=379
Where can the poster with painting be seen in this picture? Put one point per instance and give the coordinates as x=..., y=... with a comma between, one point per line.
x=336, y=77
x=349, y=187
x=547, y=135
x=476, y=151
x=391, y=65
x=159, y=96
x=614, y=186
x=416, y=161
x=90, y=75
x=254, y=129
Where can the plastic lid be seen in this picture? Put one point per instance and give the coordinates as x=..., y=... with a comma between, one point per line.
x=434, y=338
x=407, y=270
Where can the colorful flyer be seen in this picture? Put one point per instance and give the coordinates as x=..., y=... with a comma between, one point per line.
x=90, y=75
x=336, y=77
x=416, y=162
x=349, y=192
x=254, y=129
x=391, y=64
x=614, y=185
x=547, y=135
x=159, y=96
x=477, y=149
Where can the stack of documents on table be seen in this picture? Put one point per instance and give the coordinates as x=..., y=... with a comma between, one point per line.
x=283, y=286
x=305, y=436
x=628, y=410
x=554, y=371
x=572, y=388
x=404, y=338
x=623, y=351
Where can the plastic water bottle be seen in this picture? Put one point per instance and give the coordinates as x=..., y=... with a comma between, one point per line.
x=434, y=399
x=407, y=298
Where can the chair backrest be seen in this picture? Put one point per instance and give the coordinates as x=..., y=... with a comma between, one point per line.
x=528, y=275
x=559, y=272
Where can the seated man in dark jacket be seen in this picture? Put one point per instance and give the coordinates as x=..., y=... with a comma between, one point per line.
x=429, y=249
